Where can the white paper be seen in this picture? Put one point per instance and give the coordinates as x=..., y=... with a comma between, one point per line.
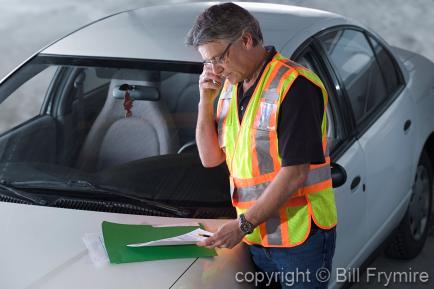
x=95, y=245
x=186, y=239
x=187, y=224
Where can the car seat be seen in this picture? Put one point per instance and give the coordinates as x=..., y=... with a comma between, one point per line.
x=115, y=139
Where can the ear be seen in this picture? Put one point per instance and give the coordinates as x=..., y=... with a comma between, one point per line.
x=247, y=40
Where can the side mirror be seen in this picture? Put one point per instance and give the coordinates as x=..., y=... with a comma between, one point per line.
x=339, y=175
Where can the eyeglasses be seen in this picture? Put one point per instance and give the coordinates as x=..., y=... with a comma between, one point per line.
x=218, y=59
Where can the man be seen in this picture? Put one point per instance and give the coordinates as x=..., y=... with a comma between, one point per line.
x=270, y=128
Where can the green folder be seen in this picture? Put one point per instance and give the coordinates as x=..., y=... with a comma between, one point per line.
x=117, y=236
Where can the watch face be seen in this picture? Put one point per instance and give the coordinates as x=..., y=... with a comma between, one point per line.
x=246, y=227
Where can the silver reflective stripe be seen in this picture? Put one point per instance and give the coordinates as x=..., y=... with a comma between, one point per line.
x=274, y=233
x=226, y=99
x=228, y=92
x=224, y=112
x=270, y=96
x=318, y=175
x=268, y=105
x=265, y=110
x=251, y=193
x=265, y=161
x=275, y=82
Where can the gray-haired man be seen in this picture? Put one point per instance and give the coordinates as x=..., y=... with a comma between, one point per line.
x=230, y=41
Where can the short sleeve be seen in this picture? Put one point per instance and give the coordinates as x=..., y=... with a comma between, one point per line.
x=299, y=124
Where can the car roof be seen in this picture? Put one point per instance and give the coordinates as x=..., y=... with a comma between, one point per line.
x=158, y=33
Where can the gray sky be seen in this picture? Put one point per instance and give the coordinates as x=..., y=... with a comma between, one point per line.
x=28, y=25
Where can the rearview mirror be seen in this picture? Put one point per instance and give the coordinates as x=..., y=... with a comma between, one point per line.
x=137, y=92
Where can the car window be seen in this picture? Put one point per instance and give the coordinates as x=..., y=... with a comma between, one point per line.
x=26, y=101
x=387, y=66
x=131, y=130
x=356, y=65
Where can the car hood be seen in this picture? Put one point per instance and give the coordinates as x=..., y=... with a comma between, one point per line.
x=43, y=248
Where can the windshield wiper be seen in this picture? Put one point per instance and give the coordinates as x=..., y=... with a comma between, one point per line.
x=21, y=194
x=86, y=186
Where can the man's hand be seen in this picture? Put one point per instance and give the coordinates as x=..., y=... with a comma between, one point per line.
x=207, y=142
x=227, y=236
x=209, y=84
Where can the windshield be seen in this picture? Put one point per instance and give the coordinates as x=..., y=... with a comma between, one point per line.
x=124, y=125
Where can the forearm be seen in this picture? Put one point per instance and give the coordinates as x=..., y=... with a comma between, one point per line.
x=210, y=152
x=287, y=181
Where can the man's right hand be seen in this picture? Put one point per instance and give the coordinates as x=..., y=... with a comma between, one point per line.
x=210, y=152
x=209, y=84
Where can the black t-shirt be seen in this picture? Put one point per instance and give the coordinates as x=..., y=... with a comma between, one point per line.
x=299, y=120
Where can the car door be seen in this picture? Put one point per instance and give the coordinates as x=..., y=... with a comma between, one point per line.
x=348, y=170
x=382, y=112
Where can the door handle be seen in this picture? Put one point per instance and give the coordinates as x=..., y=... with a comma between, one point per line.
x=407, y=125
x=355, y=183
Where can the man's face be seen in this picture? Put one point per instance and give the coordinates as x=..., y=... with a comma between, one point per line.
x=226, y=59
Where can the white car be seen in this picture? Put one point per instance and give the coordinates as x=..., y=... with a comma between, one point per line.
x=70, y=157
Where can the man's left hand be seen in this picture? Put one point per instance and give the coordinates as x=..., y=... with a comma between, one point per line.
x=227, y=236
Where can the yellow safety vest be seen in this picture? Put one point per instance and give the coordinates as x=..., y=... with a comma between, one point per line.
x=253, y=159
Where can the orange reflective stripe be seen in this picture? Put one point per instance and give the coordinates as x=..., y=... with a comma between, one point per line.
x=326, y=163
x=274, y=151
x=284, y=228
x=272, y=75
x=324, y=144
x=298, y=193
x=243, y=205
x=263, y=232
x=318, y=187
x=279, y=88
x=296, y=201
x=254, y=181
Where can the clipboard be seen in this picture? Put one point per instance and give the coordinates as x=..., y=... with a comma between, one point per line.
x=118, y=236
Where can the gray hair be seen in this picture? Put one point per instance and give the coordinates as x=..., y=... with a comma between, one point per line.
x=225, y=21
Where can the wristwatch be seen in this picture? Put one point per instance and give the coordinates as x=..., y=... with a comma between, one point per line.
x=245, y=225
